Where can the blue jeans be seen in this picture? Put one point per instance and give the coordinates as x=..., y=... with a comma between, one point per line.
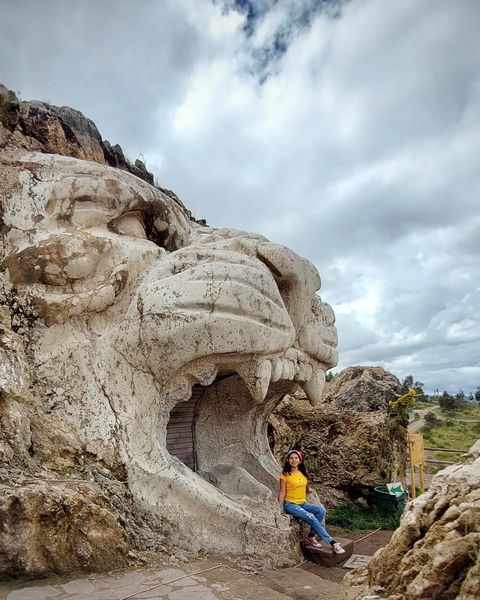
x=313, y=514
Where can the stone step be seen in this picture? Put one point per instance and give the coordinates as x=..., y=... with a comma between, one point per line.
x=298, y=584
x=325, y=556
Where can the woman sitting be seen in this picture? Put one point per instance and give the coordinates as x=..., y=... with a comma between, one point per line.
x=292, y=496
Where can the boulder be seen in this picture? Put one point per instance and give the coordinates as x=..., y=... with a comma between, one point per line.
x=362, y=389
x=50, y=528
x=435, y=553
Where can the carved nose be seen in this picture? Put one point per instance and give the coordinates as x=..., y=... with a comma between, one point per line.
x=318, y=337
x=298, y=280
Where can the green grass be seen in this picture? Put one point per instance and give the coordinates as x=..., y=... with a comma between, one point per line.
x=351, y=517
x=471, y=411
x=454, y=435
x=422, y=405
x=450, y=434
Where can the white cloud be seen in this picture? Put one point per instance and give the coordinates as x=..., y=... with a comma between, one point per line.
x=354, y=140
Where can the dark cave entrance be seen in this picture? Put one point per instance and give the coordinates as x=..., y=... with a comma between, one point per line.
x=181, y=429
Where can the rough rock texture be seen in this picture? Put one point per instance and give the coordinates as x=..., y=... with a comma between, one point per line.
x=346, y=437
x=62, y=130
x=362, y=389
x=435, y=553
x=35, y=518
x=42, y=127
x=115, y=307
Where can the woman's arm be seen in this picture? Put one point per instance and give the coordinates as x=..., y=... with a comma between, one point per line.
x=281, y=493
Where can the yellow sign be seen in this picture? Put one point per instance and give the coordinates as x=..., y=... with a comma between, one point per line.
x=415, y=448
x=417, y=458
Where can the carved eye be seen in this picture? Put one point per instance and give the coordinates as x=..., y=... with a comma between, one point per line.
x=131, y=224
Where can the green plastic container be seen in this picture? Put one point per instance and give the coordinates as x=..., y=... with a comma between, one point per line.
x=389, y=502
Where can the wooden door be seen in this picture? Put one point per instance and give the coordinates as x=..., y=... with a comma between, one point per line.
x=181, y=429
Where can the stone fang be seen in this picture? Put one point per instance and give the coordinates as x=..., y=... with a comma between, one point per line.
x=313, y=388
x=257, y=379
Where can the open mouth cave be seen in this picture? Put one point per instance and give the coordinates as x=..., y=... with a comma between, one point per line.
x=220, y=433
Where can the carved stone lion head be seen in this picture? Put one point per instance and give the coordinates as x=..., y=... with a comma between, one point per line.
x=162, y=344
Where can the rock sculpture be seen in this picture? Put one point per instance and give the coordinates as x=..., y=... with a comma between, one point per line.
x=117, y=311
x=435, y=553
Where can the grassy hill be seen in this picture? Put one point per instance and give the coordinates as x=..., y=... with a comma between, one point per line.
x=457, y=430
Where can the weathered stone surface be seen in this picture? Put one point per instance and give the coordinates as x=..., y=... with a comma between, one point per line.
x=59, y=130
x=435, y=553
x=35, y=520
x=324, y=555
x=362, y=389
x=115, y=304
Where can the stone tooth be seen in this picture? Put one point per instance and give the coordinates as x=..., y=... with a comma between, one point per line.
x=257, y=379
x=277, y=369
x=300, y=369
x=285, y=369
x=308, y=371
x=291, y=370
x=204, y=375
x=313, y=388
x=179, y=389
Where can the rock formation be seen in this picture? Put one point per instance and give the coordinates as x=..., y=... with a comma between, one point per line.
x=39, y=126
x=42, y=127
x=347, y=438
x=435, y=553
x=362, y=389
x=134, y=342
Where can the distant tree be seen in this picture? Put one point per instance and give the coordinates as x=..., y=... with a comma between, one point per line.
x=431, y=419
x=460, y=399
x=409, y=384
x=421, y=396
x=449, y=403
x=477, y=395
x=329, y=376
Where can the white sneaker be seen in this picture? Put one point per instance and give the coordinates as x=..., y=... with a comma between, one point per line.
x=337, y=548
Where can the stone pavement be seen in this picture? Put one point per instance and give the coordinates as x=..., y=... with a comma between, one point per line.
x=203, y=580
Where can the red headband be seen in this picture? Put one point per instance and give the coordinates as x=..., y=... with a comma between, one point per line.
x=297, y=452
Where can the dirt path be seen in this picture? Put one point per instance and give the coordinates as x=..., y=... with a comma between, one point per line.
x=416, y=425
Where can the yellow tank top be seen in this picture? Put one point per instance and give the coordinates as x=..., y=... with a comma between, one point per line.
x=296, y=487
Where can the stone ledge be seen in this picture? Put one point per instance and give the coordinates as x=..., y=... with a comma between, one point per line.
x=326, y=556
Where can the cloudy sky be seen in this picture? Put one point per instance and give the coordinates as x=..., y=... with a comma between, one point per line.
x=349, y=131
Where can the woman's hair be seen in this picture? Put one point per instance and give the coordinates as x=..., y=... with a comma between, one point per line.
x=287, y=467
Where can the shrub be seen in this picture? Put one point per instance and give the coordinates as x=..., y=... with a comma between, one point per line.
x=352, y=517
x=431, y=420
